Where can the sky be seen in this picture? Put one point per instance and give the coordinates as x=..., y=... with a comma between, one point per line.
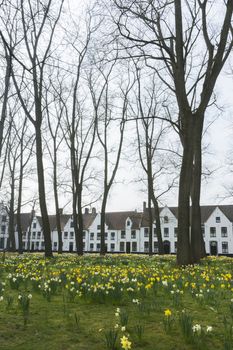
x=127, y=195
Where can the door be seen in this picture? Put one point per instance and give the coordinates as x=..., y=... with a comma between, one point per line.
x=128, y=247
x=166, y=247
x=213, y=248
x=71, y=247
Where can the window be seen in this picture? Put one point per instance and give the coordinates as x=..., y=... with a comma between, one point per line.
x=71, y=235
x=92, y=236
x=3, y=218
x=212, y=231
x=156, y=247
x=134, y=246
x=146, y=247
x=165, y=219
x=37, y=245
x=98, y=236
x=71, y=224
x=91, y=246
x=146, y=232
x=155, y=234
x=166, y=231
x=112, y=247
x=112, y=236
x=106, y=235
x=224, y=231
x=38, y=235
x=175, y=231
x=3, y=229
x=203, y=230
x=34, y=225
x=33, y=235
x=128, y=223
x=98, y=246
x=225, y=247
x=122, y=246
x=98, y=227
x=65, y=235
x=133, y=234
x=123, y=234
x=84, y=234
x=217, y=219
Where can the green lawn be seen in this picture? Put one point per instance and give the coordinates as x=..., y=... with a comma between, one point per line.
x=72, y=303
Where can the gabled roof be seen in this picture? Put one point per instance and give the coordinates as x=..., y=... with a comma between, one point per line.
x=207, y=210
x=88, y=219
x=116, y=220
x=53, y=223
x=26, y=219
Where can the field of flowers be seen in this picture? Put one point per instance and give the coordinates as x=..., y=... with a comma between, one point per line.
x=114, y=302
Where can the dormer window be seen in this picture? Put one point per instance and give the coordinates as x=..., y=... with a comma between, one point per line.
x=166, y=219
x=218, y=219
x=128, y=223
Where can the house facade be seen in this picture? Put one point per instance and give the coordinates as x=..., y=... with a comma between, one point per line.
x=126, y=231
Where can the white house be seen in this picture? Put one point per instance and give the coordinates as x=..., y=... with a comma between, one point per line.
x=126, y=231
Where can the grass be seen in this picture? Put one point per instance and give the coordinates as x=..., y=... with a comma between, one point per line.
x=81, y=306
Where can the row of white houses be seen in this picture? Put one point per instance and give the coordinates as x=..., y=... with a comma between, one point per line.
x=124, y=231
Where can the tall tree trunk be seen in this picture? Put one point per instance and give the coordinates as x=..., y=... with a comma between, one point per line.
x=158, y=225
x=150, y=226
x=80, y=221
x=5, y=97
x=184, y=256
x=58, y=214
x=102, y=222
x=11, y=232
x=197, y=241
x=18, y=214
x=42, y=196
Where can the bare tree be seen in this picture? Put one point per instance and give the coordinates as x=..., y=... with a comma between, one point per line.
x=168, y=36
x=57, y=137
x=39, y=22
x=79, y=121
x=110, y=120
x=150, y=138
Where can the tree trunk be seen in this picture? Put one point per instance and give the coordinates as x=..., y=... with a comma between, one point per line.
x=11, y=232
x=197, y=241
x=42, y=196
x=102, y=223
x=58, y=218
x=158, y=226
x=18, y=214
x=150, y=225
x=5, y=98
x=184, y=256
x=80, y=221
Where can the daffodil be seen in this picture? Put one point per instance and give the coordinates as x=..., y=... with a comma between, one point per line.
x=125, y=343
x=167, y=312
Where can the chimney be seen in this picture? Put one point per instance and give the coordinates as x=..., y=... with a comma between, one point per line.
x=60, y=211
x=144, y=207
x=86, y=211
x=93, y=211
